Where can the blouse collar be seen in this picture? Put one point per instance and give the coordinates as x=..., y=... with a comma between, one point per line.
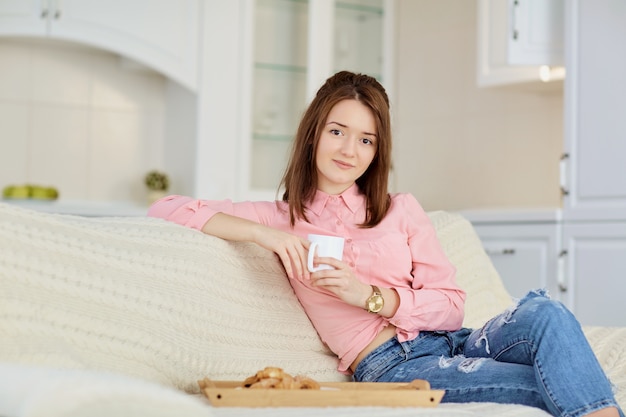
x=352, y=198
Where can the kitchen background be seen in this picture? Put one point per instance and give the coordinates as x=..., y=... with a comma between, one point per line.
x=460, y=145
x=92, y=123
x=93, y=95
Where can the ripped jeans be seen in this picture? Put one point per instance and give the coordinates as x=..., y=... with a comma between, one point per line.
x=534, y=354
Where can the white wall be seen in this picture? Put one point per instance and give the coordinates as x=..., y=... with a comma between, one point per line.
x=77, y=119
x=458, y=146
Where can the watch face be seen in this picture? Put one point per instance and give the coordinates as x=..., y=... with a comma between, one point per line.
x=375, y=303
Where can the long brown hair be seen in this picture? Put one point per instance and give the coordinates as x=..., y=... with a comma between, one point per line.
x=300, y=178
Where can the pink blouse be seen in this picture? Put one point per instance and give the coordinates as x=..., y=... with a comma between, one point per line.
x=401, y=252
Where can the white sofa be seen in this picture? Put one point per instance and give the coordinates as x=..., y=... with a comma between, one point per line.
x=123, y=315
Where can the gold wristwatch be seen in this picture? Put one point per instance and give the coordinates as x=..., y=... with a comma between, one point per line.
x=376, y=302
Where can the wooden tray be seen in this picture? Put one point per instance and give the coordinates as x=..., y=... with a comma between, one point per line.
x=332, y=394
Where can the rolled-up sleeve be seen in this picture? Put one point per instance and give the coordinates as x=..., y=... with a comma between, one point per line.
x=194, y=213
x=433, y=301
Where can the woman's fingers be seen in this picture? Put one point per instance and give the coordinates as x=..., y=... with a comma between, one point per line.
x=294, y=259
x=285, y=259
x=292, y=251
x=341, y=280
x=302, y=258
x=334, y=262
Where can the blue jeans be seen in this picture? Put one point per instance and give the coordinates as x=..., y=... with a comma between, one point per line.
x=533, y=354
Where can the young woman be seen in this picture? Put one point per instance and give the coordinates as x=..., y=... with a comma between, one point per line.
x=391, y=309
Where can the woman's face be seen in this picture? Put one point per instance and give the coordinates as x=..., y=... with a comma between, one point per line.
x=346, y=147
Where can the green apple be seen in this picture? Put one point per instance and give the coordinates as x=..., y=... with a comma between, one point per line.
x=17, y=191
x=35, y=192
x=7, y=191
x=44, y=193
x=53, y=193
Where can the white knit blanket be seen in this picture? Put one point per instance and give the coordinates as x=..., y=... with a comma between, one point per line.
x=147, y=298
x=165, y=304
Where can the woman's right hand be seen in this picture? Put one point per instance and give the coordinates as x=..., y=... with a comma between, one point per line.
x=291, y=249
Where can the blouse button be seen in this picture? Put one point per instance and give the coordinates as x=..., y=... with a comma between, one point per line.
x=352, y=264
x=338, y=222
x=349, y=240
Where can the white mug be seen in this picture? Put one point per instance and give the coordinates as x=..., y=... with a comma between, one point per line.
x=327, y=246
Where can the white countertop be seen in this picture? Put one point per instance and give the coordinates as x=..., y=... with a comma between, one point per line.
x=83, y=208
x=513, y=215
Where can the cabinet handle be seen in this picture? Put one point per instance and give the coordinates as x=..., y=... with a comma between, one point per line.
x=56, y=6
x=506, y=251
x=563, y=174
x=514, y=32
x=44, y=13
x=561, y=272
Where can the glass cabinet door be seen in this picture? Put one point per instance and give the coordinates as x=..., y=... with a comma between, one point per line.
x=279, y=82
x=359, y=37
x=281, y=66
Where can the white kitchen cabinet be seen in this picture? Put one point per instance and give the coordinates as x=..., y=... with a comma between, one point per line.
x=23, y=17
x=591, y=260
x=582, y=264
x=523, y=246
x=519, y=41
x=593, y=171
x=290, y=49
x=525, y=256
x=595, y=267
x=163, y=35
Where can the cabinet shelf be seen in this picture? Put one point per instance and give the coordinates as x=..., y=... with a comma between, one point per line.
x=358, y=37
x=272, y=137
x=280, y=67
x=359, y=8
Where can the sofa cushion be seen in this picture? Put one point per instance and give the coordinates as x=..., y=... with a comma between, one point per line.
x=37, y=391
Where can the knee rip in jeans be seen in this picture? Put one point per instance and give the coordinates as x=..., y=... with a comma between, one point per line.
x=506, y=316
x=466, y=365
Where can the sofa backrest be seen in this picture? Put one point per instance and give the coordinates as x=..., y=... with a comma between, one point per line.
x=158, y=301
x=486, y=294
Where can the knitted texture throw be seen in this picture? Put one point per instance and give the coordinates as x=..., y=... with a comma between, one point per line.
x=147, y=298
